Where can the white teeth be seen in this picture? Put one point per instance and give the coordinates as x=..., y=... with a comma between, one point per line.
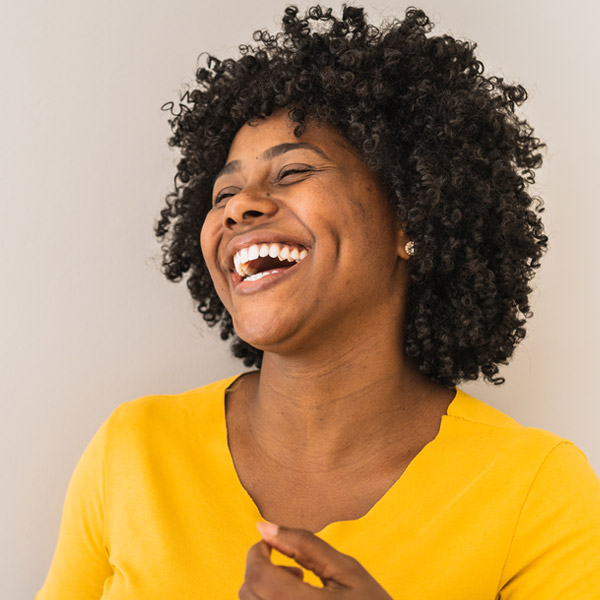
x=257, y=276
x=244, y=256
x=238, y=267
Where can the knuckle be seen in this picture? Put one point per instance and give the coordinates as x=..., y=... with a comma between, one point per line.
x=304, y=539
x=352, y=563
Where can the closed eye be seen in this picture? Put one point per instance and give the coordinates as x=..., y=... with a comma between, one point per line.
x=294, y=174
x=222, y=196
x=286, y=176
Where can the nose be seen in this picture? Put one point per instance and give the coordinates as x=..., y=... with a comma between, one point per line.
x=248, y=206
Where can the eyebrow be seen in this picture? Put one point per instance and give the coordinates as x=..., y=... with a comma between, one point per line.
x=236, y=165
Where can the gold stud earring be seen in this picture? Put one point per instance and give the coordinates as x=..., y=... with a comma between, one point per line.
x=410, y=248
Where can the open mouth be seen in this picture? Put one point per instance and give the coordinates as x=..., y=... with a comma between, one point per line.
x=258, y=260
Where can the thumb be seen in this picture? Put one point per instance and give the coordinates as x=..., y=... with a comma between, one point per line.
x=313, y=553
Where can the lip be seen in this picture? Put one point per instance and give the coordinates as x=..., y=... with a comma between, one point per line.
x=249, y=287
x=258, y=236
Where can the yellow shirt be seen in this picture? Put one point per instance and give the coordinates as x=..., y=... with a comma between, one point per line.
x=488, y=510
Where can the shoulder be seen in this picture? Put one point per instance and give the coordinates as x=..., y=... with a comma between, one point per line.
x=544, y=478
x=486, y=438
x=159, y=415
x=491, y=426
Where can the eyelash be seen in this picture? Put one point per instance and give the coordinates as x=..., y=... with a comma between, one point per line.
x=283, y=173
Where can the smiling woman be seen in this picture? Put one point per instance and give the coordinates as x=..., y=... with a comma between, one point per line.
x=316, y=201
x=352, y=207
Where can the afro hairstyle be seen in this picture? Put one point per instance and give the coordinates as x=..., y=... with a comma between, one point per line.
x=443, y=138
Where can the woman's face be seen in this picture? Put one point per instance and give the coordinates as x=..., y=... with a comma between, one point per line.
x=334, y=255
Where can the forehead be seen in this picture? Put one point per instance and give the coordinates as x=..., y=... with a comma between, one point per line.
x=254, y=138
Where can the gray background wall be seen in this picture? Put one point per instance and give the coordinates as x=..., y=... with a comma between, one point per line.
x=87, y=320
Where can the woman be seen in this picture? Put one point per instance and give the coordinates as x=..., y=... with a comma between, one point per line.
x=352, y=205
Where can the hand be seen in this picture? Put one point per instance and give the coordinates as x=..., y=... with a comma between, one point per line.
x=343, y=577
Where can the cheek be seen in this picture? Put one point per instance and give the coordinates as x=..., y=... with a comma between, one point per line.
x=210, y=236
x=209, y=242
x=205, y=237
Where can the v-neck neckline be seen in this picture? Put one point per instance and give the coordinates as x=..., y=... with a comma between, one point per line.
x=390, y=496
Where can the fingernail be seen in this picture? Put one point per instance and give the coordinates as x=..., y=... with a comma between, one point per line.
x=267, y=529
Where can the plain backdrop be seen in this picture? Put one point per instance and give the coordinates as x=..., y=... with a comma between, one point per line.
x=87, y=319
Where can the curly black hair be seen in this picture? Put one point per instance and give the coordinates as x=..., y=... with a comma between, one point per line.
x=445, y=141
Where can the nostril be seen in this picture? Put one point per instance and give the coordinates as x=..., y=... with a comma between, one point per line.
x=247, y=214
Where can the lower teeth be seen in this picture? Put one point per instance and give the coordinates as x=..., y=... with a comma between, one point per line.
x=258, y=275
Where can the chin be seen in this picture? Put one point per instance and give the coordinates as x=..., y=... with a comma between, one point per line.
x=268, y=333
x=264, y=334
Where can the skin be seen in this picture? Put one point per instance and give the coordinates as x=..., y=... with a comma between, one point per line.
x=337, y=411
x=342, y=576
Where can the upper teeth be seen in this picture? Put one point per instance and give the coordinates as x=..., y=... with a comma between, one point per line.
x=281, y=251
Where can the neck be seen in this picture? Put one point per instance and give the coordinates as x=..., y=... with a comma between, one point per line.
x=333, y=409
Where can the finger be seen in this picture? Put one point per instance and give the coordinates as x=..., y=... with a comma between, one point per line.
x=295, y=571
x=313, y=553
x=273, y=582
x=245, y=593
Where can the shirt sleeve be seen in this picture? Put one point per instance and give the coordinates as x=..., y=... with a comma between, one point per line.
x=555, y=551
x=80, y=565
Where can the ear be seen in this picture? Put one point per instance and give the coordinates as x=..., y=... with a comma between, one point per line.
x=402, y=240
